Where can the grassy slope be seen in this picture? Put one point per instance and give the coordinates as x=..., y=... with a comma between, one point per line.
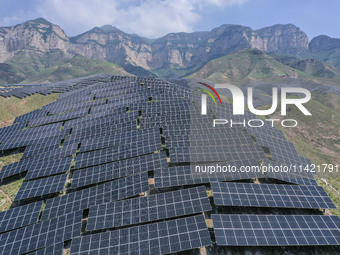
x=243, y=66
x=27, y=63
x=252, y=64
x=333, y=195
x=12, y=107
x=331, y=57
x=76, y=67
x=318, y=70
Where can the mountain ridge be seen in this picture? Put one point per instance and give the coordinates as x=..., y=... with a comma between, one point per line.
x=172, y=55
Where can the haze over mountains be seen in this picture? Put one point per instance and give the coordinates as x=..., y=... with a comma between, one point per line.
x=36, y=49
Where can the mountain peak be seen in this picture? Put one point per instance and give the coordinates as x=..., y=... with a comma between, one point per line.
x=41, y=21
x=324, y=43
x=109, y=29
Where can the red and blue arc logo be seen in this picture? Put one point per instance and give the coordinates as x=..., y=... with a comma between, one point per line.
x=209, y=93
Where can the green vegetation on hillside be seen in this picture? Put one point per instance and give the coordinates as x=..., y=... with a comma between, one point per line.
x=332, y=194
x=25, y=64
x=330, y=57
x=253, y=64
x=76, y=67
x=242, y=66
x=313, y=67
x=12, y=107
x=38, y=67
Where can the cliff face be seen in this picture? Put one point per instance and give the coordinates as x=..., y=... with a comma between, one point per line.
x=279, y=39
x=38, y=35
x=176, y=51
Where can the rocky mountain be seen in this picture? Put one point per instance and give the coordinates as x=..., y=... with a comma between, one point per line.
x=324, y=43
x=325, y=49
x=31, y=47
x=175, y=54
x=38, y=35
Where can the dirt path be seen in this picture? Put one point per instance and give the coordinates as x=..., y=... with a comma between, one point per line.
x=1, y=191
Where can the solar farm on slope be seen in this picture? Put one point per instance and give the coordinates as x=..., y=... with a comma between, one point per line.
x=109, y=168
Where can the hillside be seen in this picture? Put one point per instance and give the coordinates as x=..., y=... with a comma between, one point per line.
x=310, y=66
x=26, y=63
x=76, y=67
x=253, y=64
x=243, y=66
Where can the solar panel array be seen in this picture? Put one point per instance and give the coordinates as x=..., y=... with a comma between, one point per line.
x=41, y=187
x=20, y=216
x=118, y=169
x=150, y=208
x=108, y=192
x=156, y=238
x=271, y=195
x=128, y=165
x=42, y=234
x=273, y=230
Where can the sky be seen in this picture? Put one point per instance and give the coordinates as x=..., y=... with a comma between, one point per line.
x=156, y=18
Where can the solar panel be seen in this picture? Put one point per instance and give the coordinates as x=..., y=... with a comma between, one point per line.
x=298, y=177
x=47, y=168
x=104, y=193
x=55, y=249
x=42, y=234
x=14, y=169
x=205, y=173
x=271, y=195
x=41, y=187
x=59, y=153
x=292, y=178
x=116, y=153
x=143, y=136
x=20, y=216
x=20, y=142
x=36, y=149
x=208, y=140
x=156, y=238
x=99, y=130
x=150, y=208
x=118, y=169
x=58, y=118
x=216, y=153
x=273, y=230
